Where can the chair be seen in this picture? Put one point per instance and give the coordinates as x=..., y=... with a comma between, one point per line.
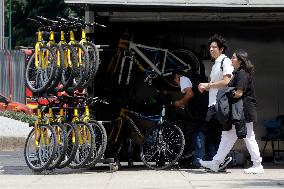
x=274, y=133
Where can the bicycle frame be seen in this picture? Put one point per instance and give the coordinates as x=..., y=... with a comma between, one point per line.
x=134, y=49
x=123, y=116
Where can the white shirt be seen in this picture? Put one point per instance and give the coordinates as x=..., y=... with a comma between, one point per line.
x=217, y=75
x=184, y=83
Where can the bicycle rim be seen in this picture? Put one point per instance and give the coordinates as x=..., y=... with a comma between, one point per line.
x=81, y=66
x=69, y=68
x=85, y=148
x=162, y=146
x=100, y=143
x=72, y=145
x=61, y=146
x=94, y=61
x=39, y=77
x=58, y=51
x=39, y=156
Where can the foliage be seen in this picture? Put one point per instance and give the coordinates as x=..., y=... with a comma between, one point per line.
x=20, y=116
x=23, y=31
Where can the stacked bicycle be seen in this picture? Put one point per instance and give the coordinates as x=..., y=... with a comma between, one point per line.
x=63, y=64
x=65, y=135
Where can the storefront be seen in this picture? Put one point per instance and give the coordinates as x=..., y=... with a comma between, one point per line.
x=256, y=26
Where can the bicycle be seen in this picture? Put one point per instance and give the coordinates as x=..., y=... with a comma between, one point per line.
x=41, y=144
x=159, y=61
x=41, y=67
x=100, y=136
x=85, y=138
x=164, y=137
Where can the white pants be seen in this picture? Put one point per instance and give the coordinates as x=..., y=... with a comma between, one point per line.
x=228, y=139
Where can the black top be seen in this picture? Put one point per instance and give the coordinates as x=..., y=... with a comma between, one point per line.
x=243, y=80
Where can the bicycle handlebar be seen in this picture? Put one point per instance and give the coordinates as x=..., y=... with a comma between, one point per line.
x=83, y=23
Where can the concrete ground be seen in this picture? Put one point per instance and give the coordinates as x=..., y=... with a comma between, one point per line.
x=14, y=174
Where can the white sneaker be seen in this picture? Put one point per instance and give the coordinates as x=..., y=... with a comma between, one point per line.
x=255, y=169
x=212, y=165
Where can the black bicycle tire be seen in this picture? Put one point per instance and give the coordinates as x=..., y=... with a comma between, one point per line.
x=76, y=165
x=65, y=82
x=69, y=155
x=59, y=68
x=49, y=161
x=48, y=82
x=195, y=62
x=102, y=147
x=81, y=75
x=56, y=161
x=113, y=147
x=93, y=64
x=148, y=138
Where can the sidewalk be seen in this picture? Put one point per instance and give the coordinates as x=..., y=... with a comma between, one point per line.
x=14, y=174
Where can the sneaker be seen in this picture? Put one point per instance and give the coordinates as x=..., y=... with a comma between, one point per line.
x=255, y=169
x=212, y=165
x=224, y=165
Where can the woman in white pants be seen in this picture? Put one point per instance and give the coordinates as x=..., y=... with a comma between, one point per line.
x=243, y=82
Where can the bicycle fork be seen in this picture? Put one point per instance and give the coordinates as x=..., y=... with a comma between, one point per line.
x=130, y=57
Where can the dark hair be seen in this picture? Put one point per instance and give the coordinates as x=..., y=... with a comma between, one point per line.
x=221, y=42
x=179, y=72
x=242, y=56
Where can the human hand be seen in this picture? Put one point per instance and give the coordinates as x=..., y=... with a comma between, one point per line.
x=202, y=87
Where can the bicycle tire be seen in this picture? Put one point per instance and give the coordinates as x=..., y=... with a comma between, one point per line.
x=94, y=62
x=72, y=145
x=39, y=79
x=85, y=150
x=68, y=71
x=187, y=56
x=62, y=145
x=80, y=75
x=114, y=140
x=58, y=51
x=162, y=146
x=100, y=143
x=39, y=163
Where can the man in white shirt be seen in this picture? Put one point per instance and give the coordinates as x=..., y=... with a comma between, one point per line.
x=220, y=76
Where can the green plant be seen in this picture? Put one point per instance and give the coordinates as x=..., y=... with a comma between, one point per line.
x=20, y=116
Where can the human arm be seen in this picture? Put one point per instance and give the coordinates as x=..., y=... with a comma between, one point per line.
x=218, y=84
x=237, y=93
x=188, y=94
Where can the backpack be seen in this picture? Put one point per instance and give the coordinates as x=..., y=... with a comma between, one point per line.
x=222, y=63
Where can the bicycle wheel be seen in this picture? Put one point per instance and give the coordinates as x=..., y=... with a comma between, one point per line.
x=100, y=143
x=114, y=140
x=189, y=58
x=39, y=75
x=180, y=59
x=69, y=68
x=81, y=66
x=162, y=146
x=62, y=145
x=40, y=148
x=58, y=51
x=86, y=146
x=94, y=61
x=72, y=145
